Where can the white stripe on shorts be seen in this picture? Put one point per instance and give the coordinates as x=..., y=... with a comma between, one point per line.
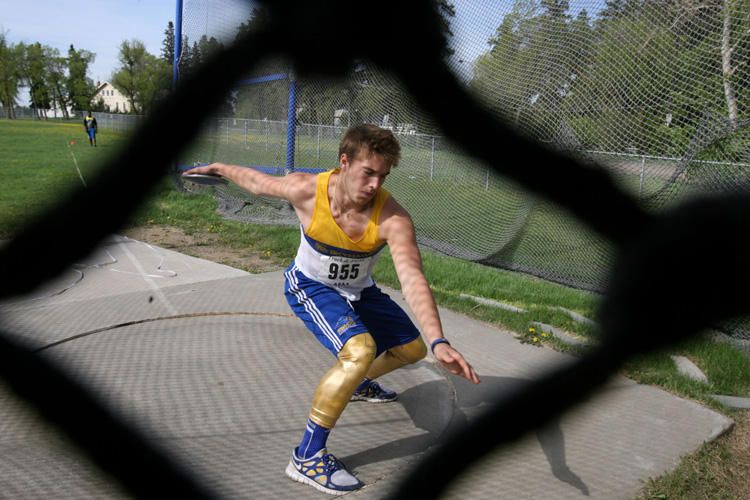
x=312, y=309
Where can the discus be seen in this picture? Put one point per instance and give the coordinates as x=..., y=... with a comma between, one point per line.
x=205, y=179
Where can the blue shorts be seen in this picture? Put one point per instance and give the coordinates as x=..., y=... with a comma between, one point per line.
x=334, y=320
x=92, y=133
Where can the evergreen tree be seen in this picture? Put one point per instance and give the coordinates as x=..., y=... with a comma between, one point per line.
x=259, y=19
x=168, y=45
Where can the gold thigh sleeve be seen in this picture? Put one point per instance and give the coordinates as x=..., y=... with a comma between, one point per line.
x=397, y=357
x=338, y=384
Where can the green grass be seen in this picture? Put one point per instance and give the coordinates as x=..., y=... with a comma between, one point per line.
x=727, y=370
x=40, y=164
x=38, y=168
x=450, y=278
x=196, y=213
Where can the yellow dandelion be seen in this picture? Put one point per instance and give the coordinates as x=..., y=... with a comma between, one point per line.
x=535, y=339
x=544, y=335
x=532, y=330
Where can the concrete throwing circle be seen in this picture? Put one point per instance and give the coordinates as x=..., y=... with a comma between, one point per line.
x=229, y=395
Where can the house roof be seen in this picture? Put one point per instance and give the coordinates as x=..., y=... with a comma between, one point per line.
x=101, y=86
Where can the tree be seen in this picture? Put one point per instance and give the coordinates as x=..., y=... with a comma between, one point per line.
x=209, y=47
x=194, y=55
x=506, y=75
x=56, y=81
x=142, y=77
x=80, y=88
x=259, y=20
x=33, y=61
x=185, y=63
x=167, y=46
x=447, y=11
x=734, y=54
x=195, y=58
x=9, y=75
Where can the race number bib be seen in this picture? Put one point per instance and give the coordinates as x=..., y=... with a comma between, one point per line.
x=342, y=271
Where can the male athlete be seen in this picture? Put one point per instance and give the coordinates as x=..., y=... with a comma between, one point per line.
x=346, y=219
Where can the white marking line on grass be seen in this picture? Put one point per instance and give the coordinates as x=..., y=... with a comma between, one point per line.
x=76, y=163
x=157, y=291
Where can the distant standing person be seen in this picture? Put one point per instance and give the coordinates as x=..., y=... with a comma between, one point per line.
x=89, y=123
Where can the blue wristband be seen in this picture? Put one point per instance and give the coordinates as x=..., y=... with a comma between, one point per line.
x=438, y=341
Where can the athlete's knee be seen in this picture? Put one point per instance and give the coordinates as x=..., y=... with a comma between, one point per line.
x=410, y=353
x=338, y=384
x=358, y=352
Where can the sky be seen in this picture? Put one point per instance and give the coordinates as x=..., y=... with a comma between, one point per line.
x=475, y=26
x=99, y=26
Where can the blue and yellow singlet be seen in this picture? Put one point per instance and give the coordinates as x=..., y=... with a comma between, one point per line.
x=328, y=255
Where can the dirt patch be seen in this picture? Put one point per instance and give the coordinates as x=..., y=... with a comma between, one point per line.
x=206, y=246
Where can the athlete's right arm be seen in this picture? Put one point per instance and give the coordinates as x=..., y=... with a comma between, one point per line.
x=293, y=187
x=298, y=188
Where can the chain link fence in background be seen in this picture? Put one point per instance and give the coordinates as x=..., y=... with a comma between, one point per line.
x=105, y=121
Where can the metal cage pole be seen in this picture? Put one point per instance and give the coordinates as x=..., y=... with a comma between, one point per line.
x=177, y=44
x=291, y=128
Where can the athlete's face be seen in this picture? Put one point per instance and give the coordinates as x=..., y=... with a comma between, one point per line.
x=364, y=175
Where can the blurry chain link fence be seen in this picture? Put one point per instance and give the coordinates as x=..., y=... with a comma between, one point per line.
x=673, y=266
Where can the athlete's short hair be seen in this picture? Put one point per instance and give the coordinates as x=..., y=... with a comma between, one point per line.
x=367, y=139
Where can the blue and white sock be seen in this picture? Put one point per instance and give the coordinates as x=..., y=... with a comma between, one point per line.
x=313, y=441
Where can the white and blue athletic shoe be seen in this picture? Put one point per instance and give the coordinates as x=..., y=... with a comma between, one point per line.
x=324, y=472
x=373, y=393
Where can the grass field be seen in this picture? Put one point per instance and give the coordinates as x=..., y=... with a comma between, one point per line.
x=41, y=162
x=40, y=165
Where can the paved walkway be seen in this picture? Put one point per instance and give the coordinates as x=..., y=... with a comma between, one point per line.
x=204, y=359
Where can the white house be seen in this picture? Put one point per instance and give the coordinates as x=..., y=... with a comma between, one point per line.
x=114, y=101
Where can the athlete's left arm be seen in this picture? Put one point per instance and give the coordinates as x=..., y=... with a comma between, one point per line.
x=397, y=229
